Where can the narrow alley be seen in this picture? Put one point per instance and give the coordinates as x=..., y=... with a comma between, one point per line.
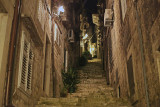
x=92, y=91
x=79, y=53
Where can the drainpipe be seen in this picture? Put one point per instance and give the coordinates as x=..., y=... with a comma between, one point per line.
x=142, y=52
x=52, y=40
x=53, y=69
x=11, y=57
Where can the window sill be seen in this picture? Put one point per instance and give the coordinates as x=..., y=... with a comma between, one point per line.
x=22, y=90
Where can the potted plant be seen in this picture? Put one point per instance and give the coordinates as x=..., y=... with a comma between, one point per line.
x=70, y=80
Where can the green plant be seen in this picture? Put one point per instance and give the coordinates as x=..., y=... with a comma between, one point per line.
x=87, y=54
x=70, y=80
x=63, y=92
x=82, y=60
x=95, y=56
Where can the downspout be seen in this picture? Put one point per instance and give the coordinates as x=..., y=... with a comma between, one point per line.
x=11, y=56
x=53, y=68
x=142, y=53
x=52, y=39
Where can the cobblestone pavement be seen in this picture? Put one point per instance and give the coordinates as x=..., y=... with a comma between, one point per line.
x=92, y=91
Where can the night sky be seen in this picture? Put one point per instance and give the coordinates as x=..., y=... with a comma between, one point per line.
x=91, y=7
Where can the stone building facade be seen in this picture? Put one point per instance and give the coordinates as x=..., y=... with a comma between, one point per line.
x=132, y=50
x=32, y=67
x=6, y=17
x=35, y=46
x=66, y=41
x=59, y=34
x=31, y=70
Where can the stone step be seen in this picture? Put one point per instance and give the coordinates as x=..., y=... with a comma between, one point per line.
x=92, y=72
x=58, y=101
x=93, y=82
x=47, y=106
x=92, y=91
x=85, y=94
x=92, y=77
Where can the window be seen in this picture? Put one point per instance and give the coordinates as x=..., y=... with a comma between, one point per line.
x=65, y=60
x=158, y=62
x=50, y=22
x=41, y=13
x=70, y=33
x=110, y=54
x=131, y=76
x=124, y=8
x=120, y=8
x=119, y=92
x=39, y=10
x=57, y=34
x=26, y=64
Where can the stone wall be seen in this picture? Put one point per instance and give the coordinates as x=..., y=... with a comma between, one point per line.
x=35, y=22
x=6, y=17
x=59, y=57
x=136, y=38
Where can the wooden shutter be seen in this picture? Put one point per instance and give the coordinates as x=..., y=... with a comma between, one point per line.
x=25, y=64
x=21, y=59
x=29, y=75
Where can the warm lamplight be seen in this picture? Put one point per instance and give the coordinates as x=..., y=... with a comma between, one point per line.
x=86, y=35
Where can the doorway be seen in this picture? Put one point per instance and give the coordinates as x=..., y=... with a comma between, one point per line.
x=130, y=76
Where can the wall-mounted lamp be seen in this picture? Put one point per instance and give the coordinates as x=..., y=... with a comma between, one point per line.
x=60, y=9
x=86, y=35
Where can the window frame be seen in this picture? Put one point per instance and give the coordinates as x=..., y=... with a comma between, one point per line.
x=57, y=38
x=25, y=65
x=123, y=8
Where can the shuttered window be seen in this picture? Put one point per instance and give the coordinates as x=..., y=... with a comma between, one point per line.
x=26, y=64
x=30, y=64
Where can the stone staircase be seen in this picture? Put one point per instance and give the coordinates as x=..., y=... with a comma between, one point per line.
x=92, y=91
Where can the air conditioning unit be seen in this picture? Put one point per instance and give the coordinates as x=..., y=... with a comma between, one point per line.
x=108, y=17
x=71, y=35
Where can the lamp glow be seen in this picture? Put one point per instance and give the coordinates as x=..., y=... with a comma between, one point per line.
x=60, y=9
x=86, y=35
